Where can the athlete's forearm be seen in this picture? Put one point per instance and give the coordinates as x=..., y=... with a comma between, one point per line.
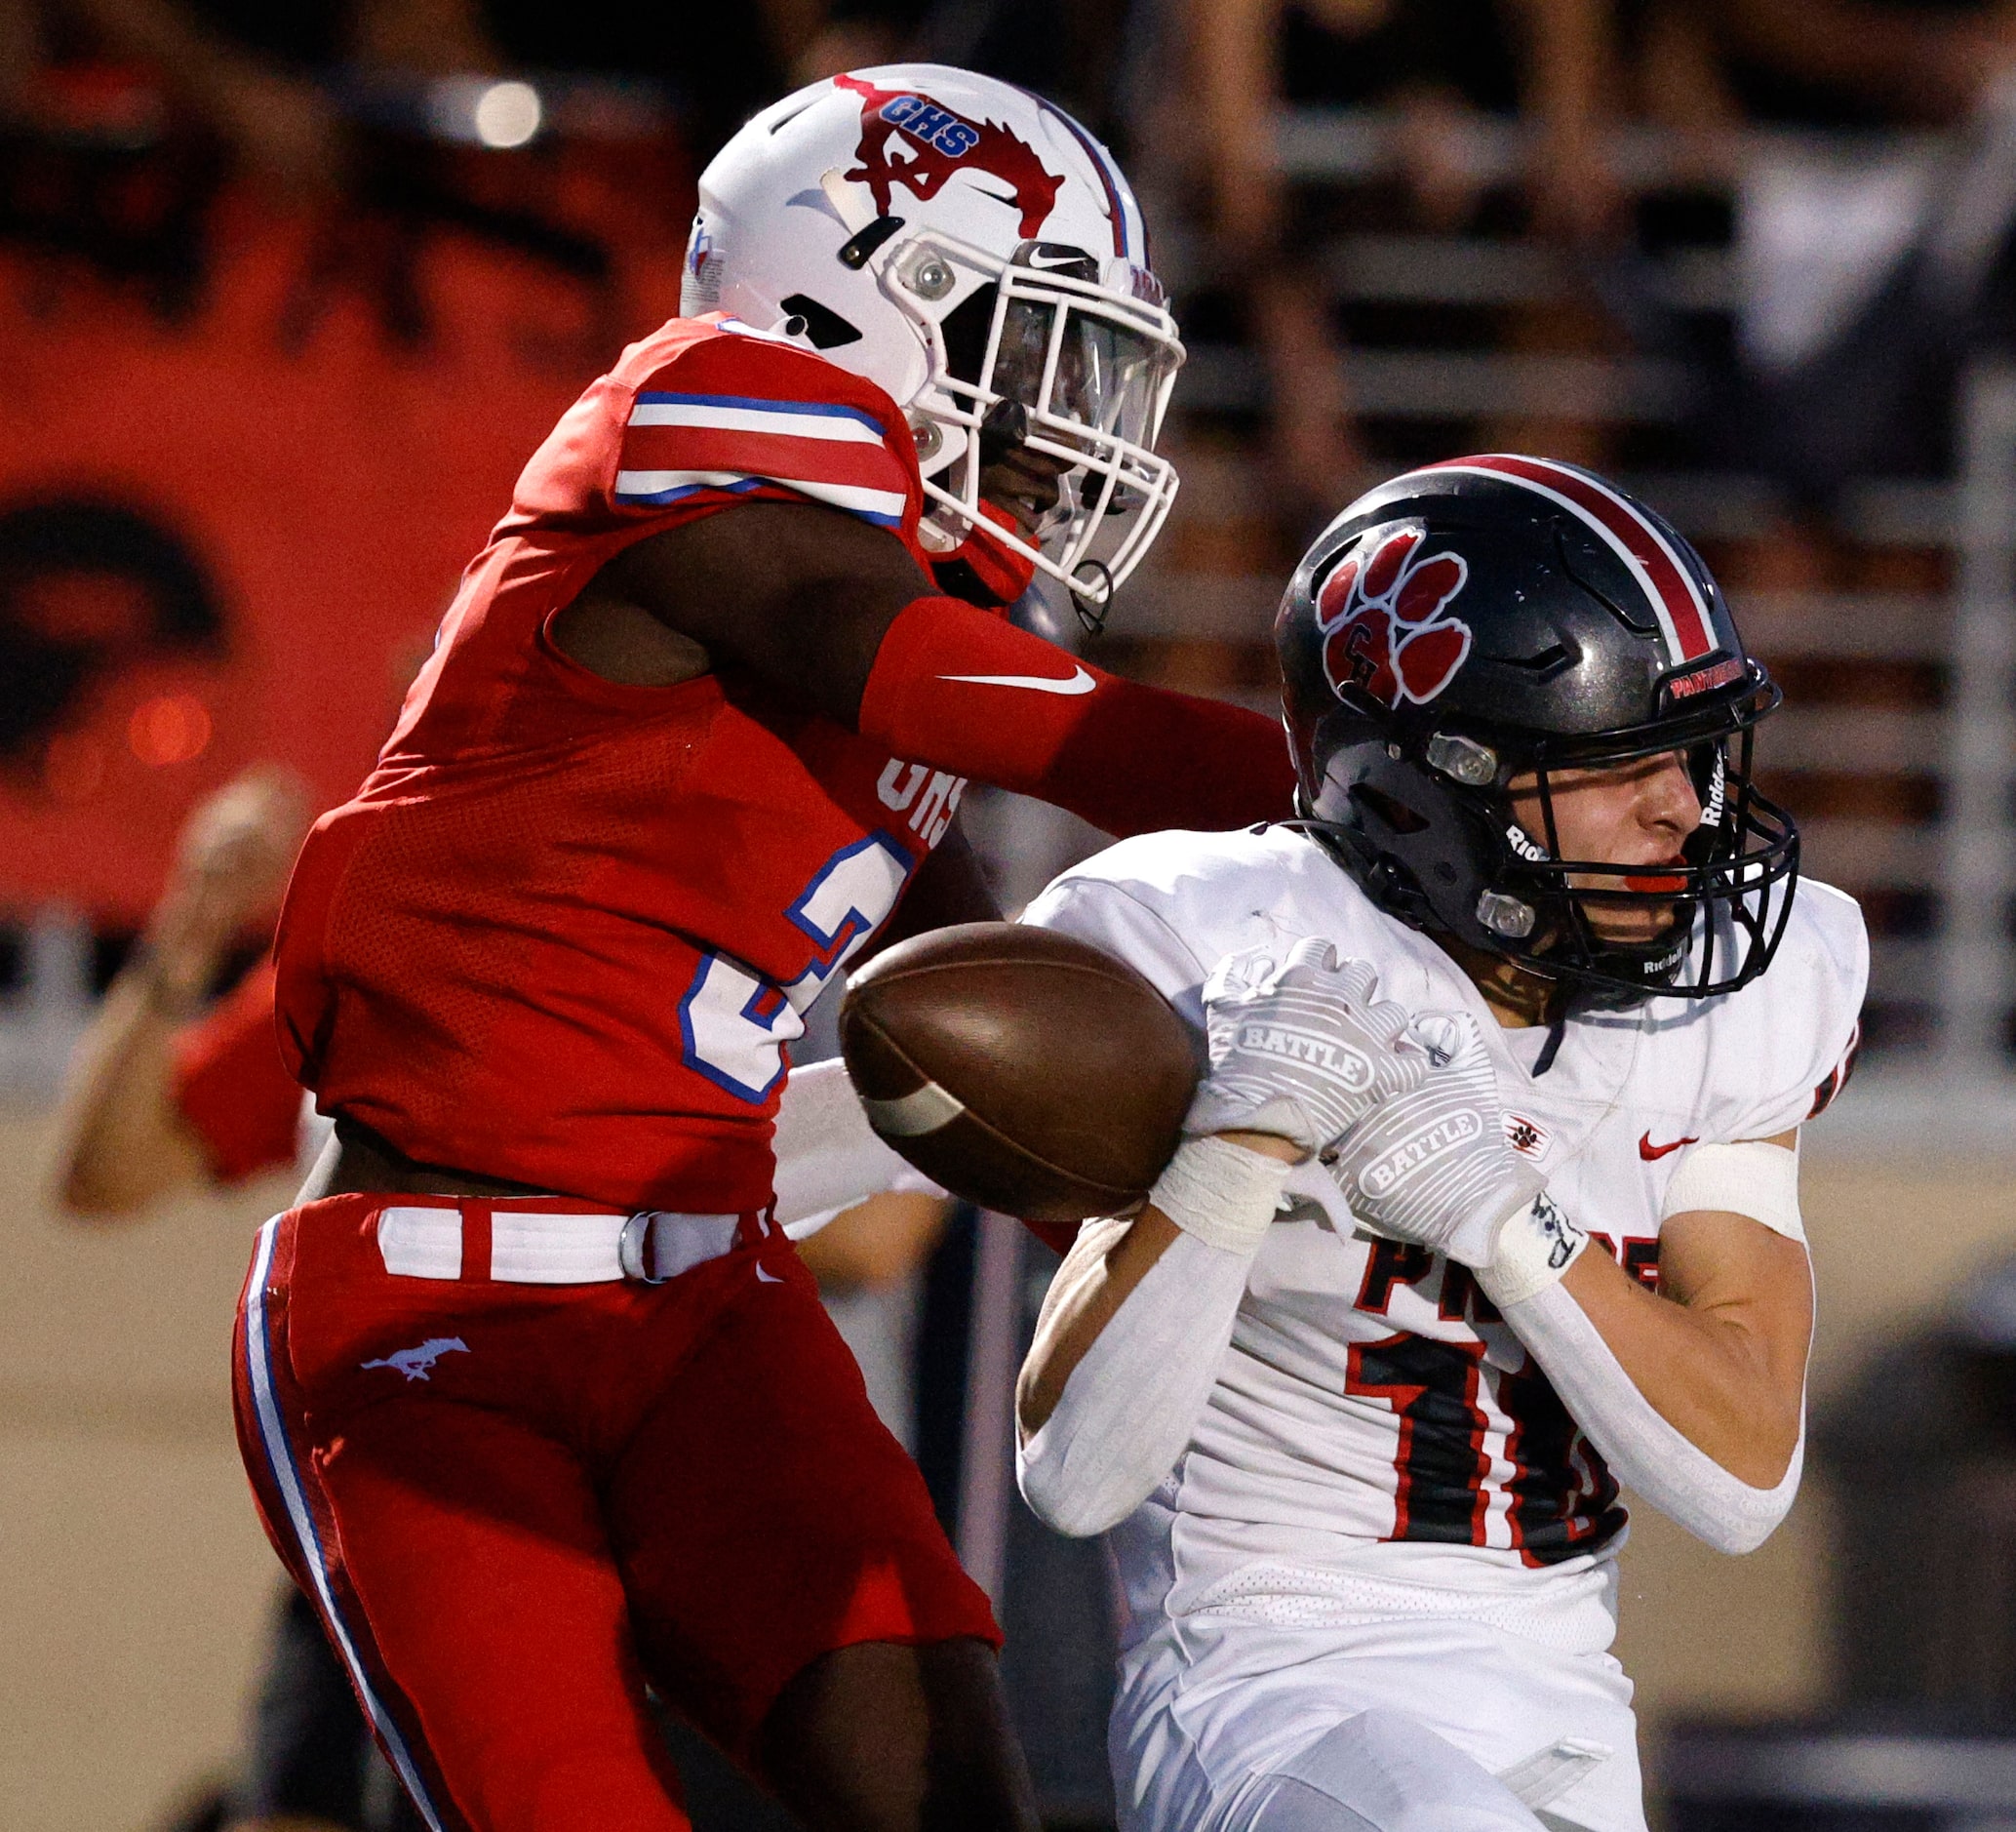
x=835, y=614
x=1696, y=1399
x=119, y=1143
x=1103, y=1269
x=1716, y=1369
x=1141, y=1345
x=828, y=1157
x=1222, y=1189
x=1646, y=1452
x=1135, y=1328
x=961, y=689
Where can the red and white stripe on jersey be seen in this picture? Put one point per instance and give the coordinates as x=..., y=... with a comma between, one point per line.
x=1669, y=589
x=677, y=446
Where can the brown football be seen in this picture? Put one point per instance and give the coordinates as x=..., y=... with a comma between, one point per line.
x=1024, y=1070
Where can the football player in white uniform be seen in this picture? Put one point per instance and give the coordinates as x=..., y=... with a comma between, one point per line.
x=1489, y=1201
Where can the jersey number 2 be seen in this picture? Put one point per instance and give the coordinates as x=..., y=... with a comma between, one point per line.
x=733, y=1026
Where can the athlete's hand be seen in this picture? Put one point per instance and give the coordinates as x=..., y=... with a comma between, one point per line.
x=1431, y=1164
x=1301, y=1049
x=230, y=866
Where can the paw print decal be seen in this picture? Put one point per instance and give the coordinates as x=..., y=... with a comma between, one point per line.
x=1383, y=613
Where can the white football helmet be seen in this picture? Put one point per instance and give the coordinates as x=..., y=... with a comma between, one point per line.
x=972, y=251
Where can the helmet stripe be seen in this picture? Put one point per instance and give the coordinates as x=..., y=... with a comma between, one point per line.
x=1109, y=177
x=1668, y=587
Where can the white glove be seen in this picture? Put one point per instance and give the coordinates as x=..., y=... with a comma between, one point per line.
x=1430, y=1165
x=1300, y=1050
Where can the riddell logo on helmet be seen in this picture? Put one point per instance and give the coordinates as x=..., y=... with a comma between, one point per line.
x=1383, y=614
x=941, y=144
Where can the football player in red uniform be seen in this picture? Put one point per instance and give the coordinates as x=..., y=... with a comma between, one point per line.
x=539, y=1402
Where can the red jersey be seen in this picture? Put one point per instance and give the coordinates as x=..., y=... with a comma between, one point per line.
x=564, y=932
x=229, y=1082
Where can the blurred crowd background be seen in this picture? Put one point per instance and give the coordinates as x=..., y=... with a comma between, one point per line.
x=288, y=293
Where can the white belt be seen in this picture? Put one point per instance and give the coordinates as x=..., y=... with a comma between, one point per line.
x=531, y=1248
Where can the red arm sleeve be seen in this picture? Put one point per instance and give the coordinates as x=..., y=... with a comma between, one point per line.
x=962, y=691
x=231, y=1087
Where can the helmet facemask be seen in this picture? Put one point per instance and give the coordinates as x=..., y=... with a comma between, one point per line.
x=1714, y=918
x=1717, y=915
x=1073, y=369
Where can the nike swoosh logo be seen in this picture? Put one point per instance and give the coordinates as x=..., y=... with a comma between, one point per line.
x=1078, y=682
x=766, y=1278
x=1651, y=1152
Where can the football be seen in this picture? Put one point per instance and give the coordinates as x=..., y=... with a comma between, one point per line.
x=1025, y=1071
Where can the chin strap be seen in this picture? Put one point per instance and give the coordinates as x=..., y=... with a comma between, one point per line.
x=1555, y=1032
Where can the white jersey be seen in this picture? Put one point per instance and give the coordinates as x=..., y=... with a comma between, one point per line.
x=1376, y=1430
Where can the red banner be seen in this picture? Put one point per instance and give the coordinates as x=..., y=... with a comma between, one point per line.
x=215, y=548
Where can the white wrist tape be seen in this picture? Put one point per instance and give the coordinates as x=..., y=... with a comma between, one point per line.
x=1647, y=1453
x=1221, y=1193
x=1757, y=1179
x=1131, y=1404
x=828, y=1156
x=1534, y=1250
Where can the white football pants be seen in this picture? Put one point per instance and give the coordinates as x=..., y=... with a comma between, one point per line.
x=1392, y=1726
x=1382, y=1771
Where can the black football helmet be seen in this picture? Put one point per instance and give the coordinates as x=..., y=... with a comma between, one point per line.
x=1478, y=620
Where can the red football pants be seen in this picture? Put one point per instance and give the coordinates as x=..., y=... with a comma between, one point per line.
x=572, y=1490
